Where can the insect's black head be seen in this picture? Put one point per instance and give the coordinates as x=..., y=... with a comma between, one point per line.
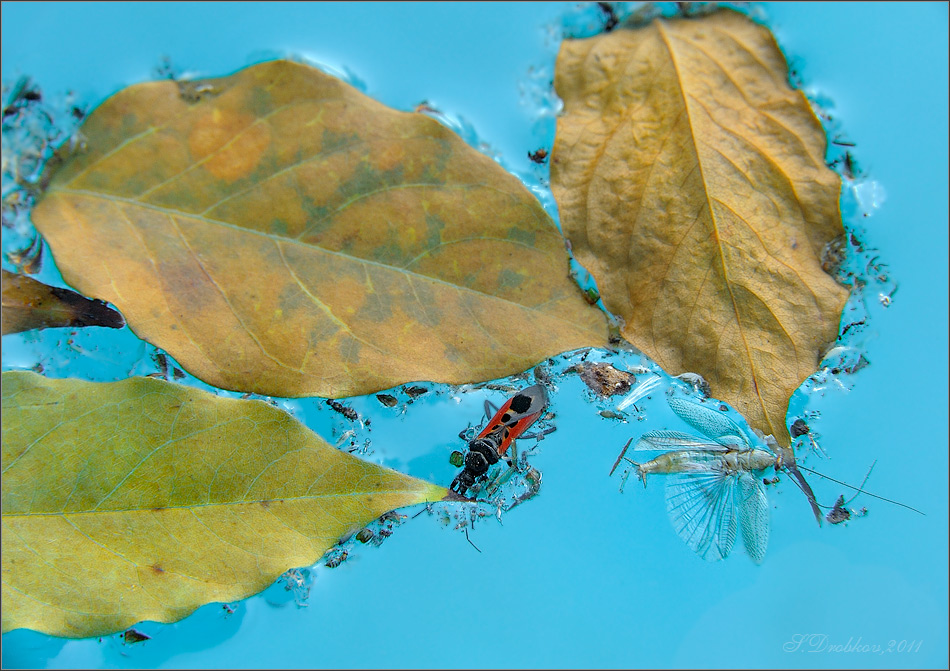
x=462, y=482
x=481, y=455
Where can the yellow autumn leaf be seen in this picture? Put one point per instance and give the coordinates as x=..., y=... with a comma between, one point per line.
x=288, y=235
x=28, y=304
x=143, y=500
x=691, y=181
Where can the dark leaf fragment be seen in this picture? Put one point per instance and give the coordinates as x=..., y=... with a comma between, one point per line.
x=28, y=304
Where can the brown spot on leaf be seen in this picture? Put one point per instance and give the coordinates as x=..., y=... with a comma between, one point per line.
x=240, y=156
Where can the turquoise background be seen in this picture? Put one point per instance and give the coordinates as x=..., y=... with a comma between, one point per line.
x=582, y=576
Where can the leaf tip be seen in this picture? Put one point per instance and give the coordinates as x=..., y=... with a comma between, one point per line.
x=453, y=496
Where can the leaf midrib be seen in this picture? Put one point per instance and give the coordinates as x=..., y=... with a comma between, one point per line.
x=60, y=191
x=158, y=509
x=667, y=41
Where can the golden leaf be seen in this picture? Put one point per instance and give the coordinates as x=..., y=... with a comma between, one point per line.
x=143, y=500
x=28, y=304
x=690, y=179
x=290, y=236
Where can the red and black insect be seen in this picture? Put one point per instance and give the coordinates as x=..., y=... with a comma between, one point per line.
x=492, y=442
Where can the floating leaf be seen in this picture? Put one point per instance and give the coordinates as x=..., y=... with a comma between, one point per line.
x=28, y=304
x=691, y=182
x=292, y=237
x=142, y=500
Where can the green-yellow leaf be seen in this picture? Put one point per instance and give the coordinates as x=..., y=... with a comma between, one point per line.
x=691, y=181
x=290, y=236
x=28, y=304
x=143, y=500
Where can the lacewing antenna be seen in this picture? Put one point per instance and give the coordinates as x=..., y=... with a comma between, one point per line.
x=858, y=489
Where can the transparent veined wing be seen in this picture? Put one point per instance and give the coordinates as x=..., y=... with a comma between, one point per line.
x=706, y=420
x=738, y=443
x=753, y=515
x=665, y=441
x=638, y=392
x=702, y=509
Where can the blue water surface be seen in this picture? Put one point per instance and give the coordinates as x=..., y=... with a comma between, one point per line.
x=582, y=575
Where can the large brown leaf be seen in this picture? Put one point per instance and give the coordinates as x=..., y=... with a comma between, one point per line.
x=143, y=500
x=287, y=235
x=691, y=182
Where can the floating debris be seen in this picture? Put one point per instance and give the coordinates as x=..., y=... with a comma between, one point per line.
x=347, y=412
x=494, y=386
x=297, y=583
x=610, y=16
x=538, y=156
x=28, y=304
x=847, y=164
x=160, y=360
x=415, y=392
x=603, y=379
x=838, y=513
x=833, y=255
x=697, y=382
x=189, y=90
x=541, y=375
x=643, y=389
x=335, y=557
x=799, y=427
x=29, y=259
x=134, y=636
x=20, y=96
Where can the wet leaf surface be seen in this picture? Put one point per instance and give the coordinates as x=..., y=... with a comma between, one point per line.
x=691, y=182
x=28, y=304
x=290, y=236
x=143, y=500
